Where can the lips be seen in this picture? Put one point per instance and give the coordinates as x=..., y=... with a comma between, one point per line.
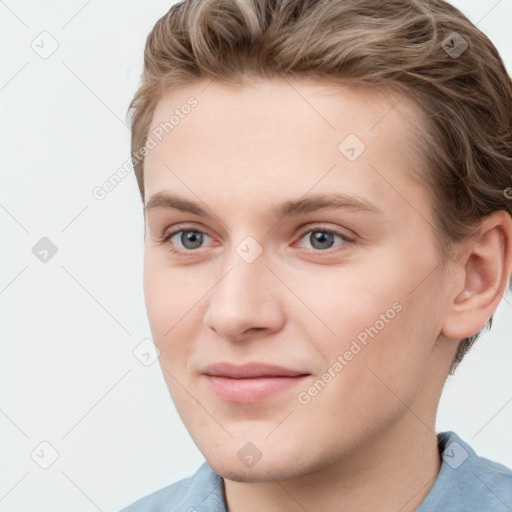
x=250, y=370
x=250, y=382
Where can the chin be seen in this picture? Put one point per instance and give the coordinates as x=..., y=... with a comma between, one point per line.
x=244, y=476
x=268, y=470
x=250, y=475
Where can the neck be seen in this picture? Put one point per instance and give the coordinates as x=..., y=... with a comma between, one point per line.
x=394, y=471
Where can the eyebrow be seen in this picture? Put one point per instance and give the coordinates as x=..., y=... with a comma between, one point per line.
x=162, y=200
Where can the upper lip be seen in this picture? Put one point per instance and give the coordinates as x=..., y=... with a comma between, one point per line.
x=249, y=370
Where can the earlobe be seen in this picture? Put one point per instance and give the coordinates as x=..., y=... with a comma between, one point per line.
x=486, y=268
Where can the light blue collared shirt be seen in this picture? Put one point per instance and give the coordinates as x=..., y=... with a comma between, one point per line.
x=465, y=483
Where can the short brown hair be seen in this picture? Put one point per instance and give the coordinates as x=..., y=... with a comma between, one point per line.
x=426, y=49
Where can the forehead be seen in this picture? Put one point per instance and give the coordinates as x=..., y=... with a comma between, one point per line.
x=276, y=135
x=328, y=107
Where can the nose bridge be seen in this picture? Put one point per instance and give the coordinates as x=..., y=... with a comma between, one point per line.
x=245, y=275
x=241, y=299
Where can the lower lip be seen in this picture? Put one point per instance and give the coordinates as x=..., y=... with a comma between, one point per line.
x=251, y=390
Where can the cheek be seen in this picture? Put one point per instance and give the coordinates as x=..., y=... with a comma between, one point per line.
x=350, y=302
x=165, y=289
x=376, y=325
x=172, y=305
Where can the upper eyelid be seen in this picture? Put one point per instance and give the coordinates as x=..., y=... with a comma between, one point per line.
x=319, y=227
x=337, y=231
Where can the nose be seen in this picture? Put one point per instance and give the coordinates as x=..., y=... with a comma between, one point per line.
x=245, y=300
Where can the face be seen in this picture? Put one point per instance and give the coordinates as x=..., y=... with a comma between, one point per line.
x=295, y=238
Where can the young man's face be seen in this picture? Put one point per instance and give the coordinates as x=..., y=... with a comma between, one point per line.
x=356, y=315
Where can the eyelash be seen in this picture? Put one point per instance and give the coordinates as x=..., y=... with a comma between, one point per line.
x=167, y=236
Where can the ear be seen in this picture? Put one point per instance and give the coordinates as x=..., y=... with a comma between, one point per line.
x=486, y=265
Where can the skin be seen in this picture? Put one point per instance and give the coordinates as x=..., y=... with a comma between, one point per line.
x=367, y=440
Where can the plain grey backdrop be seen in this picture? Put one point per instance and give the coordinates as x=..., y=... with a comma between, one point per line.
x=87, y=423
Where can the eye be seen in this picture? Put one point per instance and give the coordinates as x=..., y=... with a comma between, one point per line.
x=190, y=239
x=321, y=238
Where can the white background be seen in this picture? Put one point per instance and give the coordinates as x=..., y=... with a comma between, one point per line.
x=69, y=326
